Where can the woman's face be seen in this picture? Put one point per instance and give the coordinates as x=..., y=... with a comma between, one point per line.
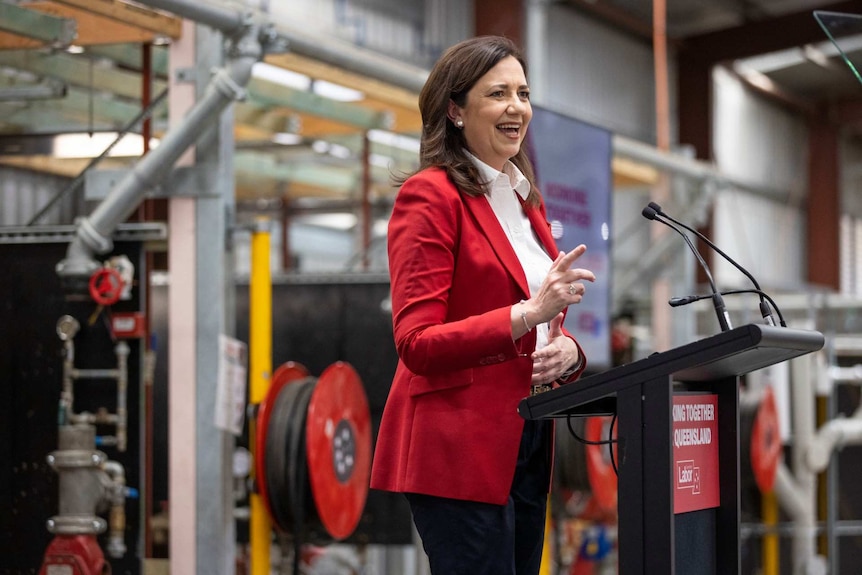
x=496, y=113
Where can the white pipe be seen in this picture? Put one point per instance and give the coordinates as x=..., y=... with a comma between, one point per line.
x=93, y=234
x=789, y=495
x=851, y=374
x=834, y=435
x=804, y=430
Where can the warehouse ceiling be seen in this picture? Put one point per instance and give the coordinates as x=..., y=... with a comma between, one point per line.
x=75, y=67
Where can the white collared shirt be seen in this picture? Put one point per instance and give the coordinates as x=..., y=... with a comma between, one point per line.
x=534, y=259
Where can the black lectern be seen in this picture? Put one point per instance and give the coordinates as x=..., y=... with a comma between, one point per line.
x=685, y=398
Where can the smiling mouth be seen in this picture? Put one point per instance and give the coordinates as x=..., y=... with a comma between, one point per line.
x=511, y=130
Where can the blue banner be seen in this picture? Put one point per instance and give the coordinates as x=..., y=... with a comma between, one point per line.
x=572, y=160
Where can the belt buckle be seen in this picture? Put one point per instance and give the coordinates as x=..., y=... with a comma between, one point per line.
x=539, y=388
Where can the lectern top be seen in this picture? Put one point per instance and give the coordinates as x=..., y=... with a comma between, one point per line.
x=727, y=354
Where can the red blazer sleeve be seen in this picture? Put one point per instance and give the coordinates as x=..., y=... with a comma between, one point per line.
x=426, y=234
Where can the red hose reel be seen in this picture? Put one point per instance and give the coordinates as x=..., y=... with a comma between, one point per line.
x=313, y=451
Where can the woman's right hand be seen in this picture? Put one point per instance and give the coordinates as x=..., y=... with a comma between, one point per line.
x=562, y=287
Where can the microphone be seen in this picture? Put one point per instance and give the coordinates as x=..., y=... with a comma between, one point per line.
x=678, y=301
x=651, y=213
x=764, y=308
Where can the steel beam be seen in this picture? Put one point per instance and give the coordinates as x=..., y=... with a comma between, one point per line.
x=78, y=72
x=270, y=94
x=56, y=32
x=45, y=90
x=260, y=166
x=129, y=55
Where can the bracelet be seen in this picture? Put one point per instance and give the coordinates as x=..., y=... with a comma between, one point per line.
x=569, y=372
x=524, y=317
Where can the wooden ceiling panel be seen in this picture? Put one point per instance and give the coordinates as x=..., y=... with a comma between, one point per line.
x=100, y=22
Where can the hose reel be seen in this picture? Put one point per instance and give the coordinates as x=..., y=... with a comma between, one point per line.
x=760, y=448
x=313, y=452
x=587, y=468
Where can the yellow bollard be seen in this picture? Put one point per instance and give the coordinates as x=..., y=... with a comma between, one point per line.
x=547, y=547
x=260, y=373
x=769, y=510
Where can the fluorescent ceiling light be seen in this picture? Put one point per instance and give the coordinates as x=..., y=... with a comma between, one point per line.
x=782, y=59
x=757, y=78
x=340, y=221
x=336, y=91
x=290, y=79
x=339, y=151
x=280, y=75
x=334, y=150
x=91, y=146
x=380, y=160
x=394, y=140
x=287, y=139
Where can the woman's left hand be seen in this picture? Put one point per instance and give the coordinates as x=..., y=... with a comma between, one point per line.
x=554, y=359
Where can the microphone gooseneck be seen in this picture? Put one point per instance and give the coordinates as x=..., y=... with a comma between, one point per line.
x=685, y=300
x=765, y=310
x=651, y=213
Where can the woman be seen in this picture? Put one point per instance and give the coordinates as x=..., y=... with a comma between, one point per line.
x=479, y=293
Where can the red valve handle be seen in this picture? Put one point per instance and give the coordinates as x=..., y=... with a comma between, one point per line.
x=106, y=286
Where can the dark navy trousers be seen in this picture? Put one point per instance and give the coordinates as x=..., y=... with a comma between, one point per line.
x=473, y=538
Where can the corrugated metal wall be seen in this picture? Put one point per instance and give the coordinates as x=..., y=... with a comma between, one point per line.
x=24, y=193
x=760, y=142
x=600, y=75
x=851, y=219
x=414, y=32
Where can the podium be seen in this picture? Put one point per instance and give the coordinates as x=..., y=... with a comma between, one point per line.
x=648, y=397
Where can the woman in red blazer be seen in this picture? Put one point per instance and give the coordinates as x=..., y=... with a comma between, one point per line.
x=479, y=292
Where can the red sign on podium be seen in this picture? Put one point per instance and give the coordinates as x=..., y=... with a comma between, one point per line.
x=695, y=452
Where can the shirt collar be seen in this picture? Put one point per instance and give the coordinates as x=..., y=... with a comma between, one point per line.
x=511, y=174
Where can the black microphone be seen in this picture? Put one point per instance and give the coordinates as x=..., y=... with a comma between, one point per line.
x=678, y=301
x=764, y=308
x=651, y=213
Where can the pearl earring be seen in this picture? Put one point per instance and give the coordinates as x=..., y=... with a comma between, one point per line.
x=459, y=122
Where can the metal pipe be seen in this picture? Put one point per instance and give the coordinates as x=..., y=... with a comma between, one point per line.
x=227, y=20
x=329, y=50
x=116, y=474
x=832, y=436
x=122, y=352
x=348, y=56
x=94, y=232
x=789, y=494
x=365, y=216
x=67, y=395
x=689, y=168
x=804, y=426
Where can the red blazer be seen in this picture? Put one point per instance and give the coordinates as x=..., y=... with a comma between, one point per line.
x=450, y=427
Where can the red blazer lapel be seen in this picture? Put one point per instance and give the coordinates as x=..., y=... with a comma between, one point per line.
x=539, y=221
x=487, y=221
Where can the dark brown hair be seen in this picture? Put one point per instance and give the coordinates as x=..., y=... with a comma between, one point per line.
x=442, y=144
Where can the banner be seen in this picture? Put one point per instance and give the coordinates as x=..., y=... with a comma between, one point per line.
x=572, y=160
x=695, y=452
